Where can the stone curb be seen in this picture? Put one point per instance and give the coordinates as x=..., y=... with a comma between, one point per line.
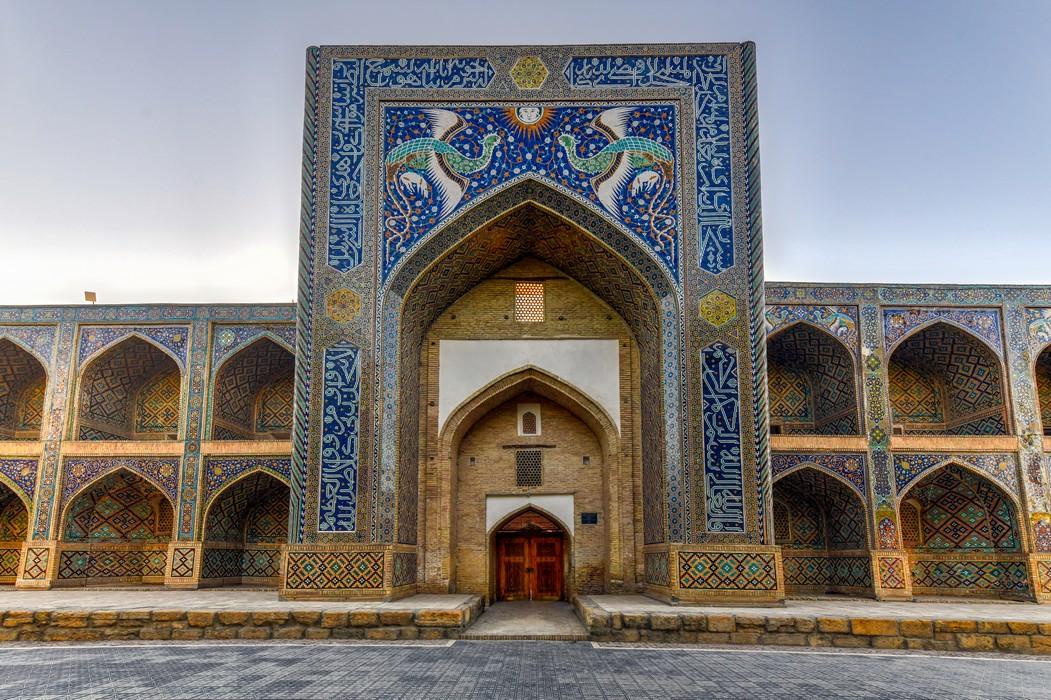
x=190, y=625
x=688, y=627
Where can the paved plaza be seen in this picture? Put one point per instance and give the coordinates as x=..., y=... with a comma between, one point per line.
x=492, y=670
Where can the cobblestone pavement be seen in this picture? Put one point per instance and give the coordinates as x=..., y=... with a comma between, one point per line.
x=493, y=670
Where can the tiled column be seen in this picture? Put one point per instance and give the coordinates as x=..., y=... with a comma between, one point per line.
x=891, y=577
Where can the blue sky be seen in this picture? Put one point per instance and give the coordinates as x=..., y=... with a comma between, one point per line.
x=151, y=151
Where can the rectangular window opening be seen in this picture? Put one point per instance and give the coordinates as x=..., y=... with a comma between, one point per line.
x=529, y=302
x=528, y=467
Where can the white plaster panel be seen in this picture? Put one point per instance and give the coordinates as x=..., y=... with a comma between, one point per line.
x=592, y=366
x=499, y=507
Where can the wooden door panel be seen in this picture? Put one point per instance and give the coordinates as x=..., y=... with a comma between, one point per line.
x=547, y=567
x=513, y=578
x=529, y=567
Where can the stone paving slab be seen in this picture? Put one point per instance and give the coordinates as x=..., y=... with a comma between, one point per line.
x=524, y=619
x=843, y=607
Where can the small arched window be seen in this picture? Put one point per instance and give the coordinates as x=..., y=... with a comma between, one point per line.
x=528, y=419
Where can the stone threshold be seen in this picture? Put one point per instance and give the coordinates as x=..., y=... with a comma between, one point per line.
x=626, y=620
x=380, y=623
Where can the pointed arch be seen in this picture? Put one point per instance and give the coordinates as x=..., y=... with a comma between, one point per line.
x=824, y=470
x=237, y=383
x=23, y=387
x=281, y=478
x=1042, y=383
x=110, y=381
x=23, y=345
x=127, y=476
x=812, y=381
x=943, y=379
x=519, y=381
x=511, y=515
x=67, y=501
x=532, y=219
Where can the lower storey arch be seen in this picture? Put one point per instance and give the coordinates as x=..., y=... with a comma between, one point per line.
x=116, y=530
x=820, y=524
x=244, y=528
x=962, y=536
x=14, y=524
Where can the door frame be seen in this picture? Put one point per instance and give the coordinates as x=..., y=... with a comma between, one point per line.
x=558, y=529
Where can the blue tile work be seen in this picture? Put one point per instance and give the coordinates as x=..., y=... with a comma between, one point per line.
x=339, y=442
x=22, y=473
x=984, y=323
x=707, y=76
x=840, y=321
x=39, y=340
x=220, y=471
x=850, y=467
x=1002, y=468
x=229, y=339
x=163, y=472
x=721, y=414
x=620, y=158
x=175, y=338
x=350, y=80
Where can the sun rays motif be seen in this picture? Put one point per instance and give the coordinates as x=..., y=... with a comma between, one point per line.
x=528, y=122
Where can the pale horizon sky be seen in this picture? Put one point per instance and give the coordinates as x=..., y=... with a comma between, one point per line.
x=151, y=151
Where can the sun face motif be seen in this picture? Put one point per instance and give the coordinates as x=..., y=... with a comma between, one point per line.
x=528, y=121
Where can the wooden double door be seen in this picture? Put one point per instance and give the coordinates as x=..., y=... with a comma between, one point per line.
x=529, y=566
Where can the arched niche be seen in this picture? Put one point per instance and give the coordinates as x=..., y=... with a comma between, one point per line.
x=14, y=526
x=963, y=536
x=245, y=525
x=821, y=525
x=252, y=394
x=115, y=530
x=945, y=381
x=23, y=384
x=812, y=383
x=530, y=220
x=130, y=391
x=1042, y=371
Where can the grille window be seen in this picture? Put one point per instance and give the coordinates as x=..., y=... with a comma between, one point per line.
x=529, y=302
x=529, y=423
x=528, y=464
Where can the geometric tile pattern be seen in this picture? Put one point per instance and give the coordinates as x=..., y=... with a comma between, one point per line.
x=157, y=405
x=823, y=513
x=119, y=507
x=849, y=466
x=891, y=572
x=1043, y=388
x=334, y=570
x=827, y=571
x=241, y=378
x=39, y=339
x=404, y=569
x=438, y=160
x=231, y=338
x=221, y=562
x=36, y=563
x=960, y=510
x=183, y=562
x=10, y=558
x=259, y=562
x=959, y=374
x=22, y=380
x=657, y=570
x=75, y=564
x=253, y=509
x=111, y=381
x=14, y=517
x=742, y=571
x=1001, y=467
x=274, y=406
x=812, y=381
x=970, y=574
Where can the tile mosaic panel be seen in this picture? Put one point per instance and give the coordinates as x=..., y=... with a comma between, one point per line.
x=1003, y=468
x=94, y=338
x=620, y=158
x=219, y=471
x=728, y=571
x=22, y=380
x=351, y=78
x=658, y=570
x=339, y=442
x=39, y=340
x=334, y=570
x=162, y=472
x=22, y=473
x=891, y=572
x=708, y=78
x=979, y=575
x=229, y=339
x=840, y=321
x=827, y=572
x=984, y=323
x=849, y=466
x=120, y=507
x=720, y=410
x=405, y=566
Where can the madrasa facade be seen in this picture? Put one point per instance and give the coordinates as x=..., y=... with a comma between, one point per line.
x=533, y=355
